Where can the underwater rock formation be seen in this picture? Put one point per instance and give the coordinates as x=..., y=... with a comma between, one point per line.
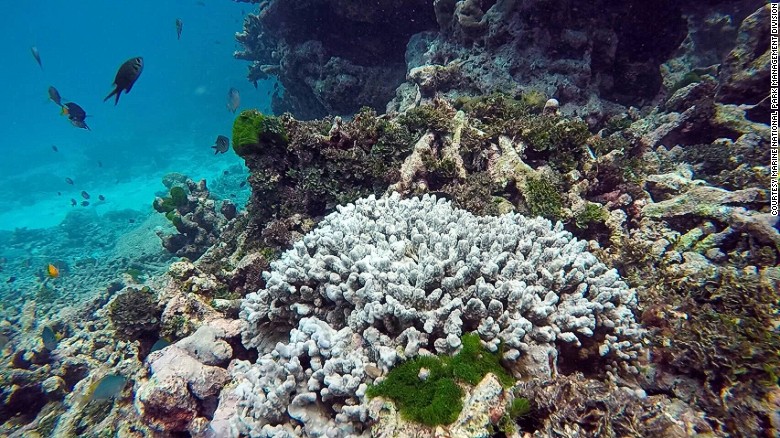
x=308, y=168
x=186, y=379
x=590, y=59
x=331, y=56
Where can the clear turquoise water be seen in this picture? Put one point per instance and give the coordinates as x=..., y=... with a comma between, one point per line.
x=166, y=123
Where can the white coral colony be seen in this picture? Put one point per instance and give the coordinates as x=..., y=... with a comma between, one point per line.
x=385, y=279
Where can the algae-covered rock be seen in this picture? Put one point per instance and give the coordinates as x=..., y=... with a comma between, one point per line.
x=252, y=130
x=134, y=313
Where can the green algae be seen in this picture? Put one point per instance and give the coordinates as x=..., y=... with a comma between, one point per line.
x=253, y=130
x=592, y=213
x=542, y=198
x=437, y=399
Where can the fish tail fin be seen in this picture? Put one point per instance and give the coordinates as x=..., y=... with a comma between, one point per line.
x=114, y=93
x=216, y=150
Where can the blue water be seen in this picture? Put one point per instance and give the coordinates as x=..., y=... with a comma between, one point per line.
x=166, y=123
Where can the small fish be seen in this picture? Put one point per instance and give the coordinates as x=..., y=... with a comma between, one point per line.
x=36, y=55
x=132, y=221
x=221, y=145
x=179, y=24
x=69, y=181
x=84, y=194
x=54, y=148
x=54, y=95
x=73, y=202
x=159, y=345
x=106, y=388
x=243, y=183
x=49, y=338
x=100, y=164
x=11, y=279
x=101, y=197
x=76, y=115
x=59, y=193
x=126, y=76
x=85, y=203
x=200, y=3
x=233, y=100
x=226, y=173
x=52, y=271
x=232, y=195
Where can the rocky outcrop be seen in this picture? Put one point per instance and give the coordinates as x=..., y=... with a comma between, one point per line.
x=332, y=56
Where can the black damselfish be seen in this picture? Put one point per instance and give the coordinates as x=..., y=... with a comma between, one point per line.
x=126, y=76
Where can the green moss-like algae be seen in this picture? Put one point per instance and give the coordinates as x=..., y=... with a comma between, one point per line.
x=437, y=399
x=252, y=130
x=542, y=198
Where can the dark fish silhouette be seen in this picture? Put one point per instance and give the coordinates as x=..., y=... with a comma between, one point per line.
x=54, y=95
x=69, y=181
x=225, y=172
x=159, y=345
x=178, y=28
x=100, y=164
x=243, y=183
x=221, y=145
x=73, y=202
x=11, y=279
x=233, y=100
x=126, y=76
x=36, y=55
x=54, y=148
x=59, y=193
x=101, y=197
x=85, y=203
x=84, y=194
x=76, y=115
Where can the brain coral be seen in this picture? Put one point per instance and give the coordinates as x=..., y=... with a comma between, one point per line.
x=396, y=278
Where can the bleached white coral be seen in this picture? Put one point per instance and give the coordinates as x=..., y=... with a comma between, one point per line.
x=405, y=277
x=397, y=264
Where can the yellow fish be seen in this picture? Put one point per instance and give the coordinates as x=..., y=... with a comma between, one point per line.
x=52, y=271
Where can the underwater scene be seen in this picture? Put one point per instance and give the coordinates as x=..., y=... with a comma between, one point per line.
x=390, y=218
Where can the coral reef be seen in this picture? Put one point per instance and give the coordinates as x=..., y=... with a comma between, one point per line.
x=310, y=167
x=194, y=215
x=302, y=44
x=410, y=277
x=374, y=241
x=134, y=312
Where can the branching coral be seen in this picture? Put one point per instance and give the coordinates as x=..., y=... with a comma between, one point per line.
x=383, y=280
